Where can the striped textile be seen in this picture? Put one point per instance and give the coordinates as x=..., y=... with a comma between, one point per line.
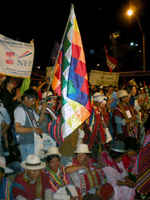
x=143, y=182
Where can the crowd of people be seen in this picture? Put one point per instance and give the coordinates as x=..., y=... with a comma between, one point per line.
x=106, y=158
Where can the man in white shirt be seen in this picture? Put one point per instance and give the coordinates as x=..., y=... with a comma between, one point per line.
x=27, y=122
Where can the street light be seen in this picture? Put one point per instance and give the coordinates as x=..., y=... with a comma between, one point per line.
x=130, y=12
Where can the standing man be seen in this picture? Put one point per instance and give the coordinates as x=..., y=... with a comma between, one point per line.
x=27, y=122
x=125, y=120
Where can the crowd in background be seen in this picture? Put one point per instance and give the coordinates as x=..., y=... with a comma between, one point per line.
x=107, y=157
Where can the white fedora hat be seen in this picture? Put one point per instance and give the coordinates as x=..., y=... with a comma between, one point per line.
x=82, y=148
x=33, y=162
x=100, y=98
x=122, y=93
x=53, y=150
x=3, y=165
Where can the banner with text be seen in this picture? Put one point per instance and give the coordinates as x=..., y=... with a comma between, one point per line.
x=97, y=77
x=16, y=58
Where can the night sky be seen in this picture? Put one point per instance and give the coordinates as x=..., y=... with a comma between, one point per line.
x=45, y=21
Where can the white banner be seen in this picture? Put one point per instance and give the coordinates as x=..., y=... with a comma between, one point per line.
x=16, y=58
x=97, y=77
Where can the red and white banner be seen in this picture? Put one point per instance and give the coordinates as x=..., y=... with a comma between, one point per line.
x=16, y=58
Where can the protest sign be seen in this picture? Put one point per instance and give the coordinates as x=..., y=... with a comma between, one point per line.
x=16, y=58
x=97, y=77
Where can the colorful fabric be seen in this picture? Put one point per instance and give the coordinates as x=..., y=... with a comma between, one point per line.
x=108, y=161
x=86, y=180
x=99, y=126
x=125, y=125
x=110, y=61
x=143, y=182
x=38, y=185
x=128, y=162
x=29, y=189
x=57, y=180
x=55, y=130
x=70, y=78
x=143, y=160
x=5, y=189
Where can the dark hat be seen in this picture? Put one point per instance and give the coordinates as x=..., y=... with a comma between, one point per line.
x=118, y=146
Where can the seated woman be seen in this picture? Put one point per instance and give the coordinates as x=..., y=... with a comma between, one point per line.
x=32, y=183
x=58, y=179
x=117, y=165
x=86, y=175
x=5, y=183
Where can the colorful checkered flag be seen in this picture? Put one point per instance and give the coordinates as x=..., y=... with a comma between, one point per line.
x=70, y=79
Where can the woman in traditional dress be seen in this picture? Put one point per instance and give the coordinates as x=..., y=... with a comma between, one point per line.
x=58, y=179
x=118, y=165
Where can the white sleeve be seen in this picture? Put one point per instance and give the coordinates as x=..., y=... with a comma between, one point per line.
x=19, y=116
x=48, y=195
x=6, y=116
x=19, y=197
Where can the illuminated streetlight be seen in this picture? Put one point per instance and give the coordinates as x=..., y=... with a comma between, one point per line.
x=130, y=12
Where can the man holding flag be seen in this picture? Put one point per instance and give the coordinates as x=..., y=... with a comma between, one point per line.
x=70, y=79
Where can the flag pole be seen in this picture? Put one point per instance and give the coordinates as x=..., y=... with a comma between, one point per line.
x=50, y=81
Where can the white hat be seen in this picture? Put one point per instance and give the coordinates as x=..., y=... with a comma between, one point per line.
x=3, y=165
x=122, y=93
x=53, y=150
x=33, y=162
x=45, y=94
x=82, y=148
x=100, y=98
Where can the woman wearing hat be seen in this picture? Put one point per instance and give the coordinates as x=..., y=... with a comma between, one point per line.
x=118, y=165
x=58, y=179
x=32, y=183
x=86, y=176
